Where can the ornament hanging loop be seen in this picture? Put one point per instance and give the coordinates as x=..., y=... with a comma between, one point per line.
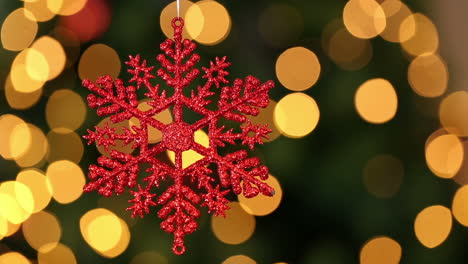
x=178, y=25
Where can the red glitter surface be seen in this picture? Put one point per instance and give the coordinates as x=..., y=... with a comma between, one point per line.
x=207, y=181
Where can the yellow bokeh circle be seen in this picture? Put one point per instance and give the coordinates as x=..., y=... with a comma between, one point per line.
x=20, y=76
x=296, y=115
x=382, y=250
x=18, y=31
x=54, y=253
x=239, y=259
x=376, y=101
x=452, y=113
x=425, y=39
x=105, y=232
x=14, y=258
x=364, y=18
x=37, y=151
x=8, y=123
x=236, y=228
x=36, y=181
x=396, y=12
x=459, y=208
x=428, y=75
x=46, y=51
x=17, y=201
x=40, y=229
x=99, y=60
x=20, y=100
x=66, y=7
x=444, y=155
x=65, y=180
x=215, y=20
x=432, y=225
x=65, y=111
x=298, y=68
x=38, y=10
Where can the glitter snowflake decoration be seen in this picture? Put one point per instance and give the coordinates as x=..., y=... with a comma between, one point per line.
x=205, y=182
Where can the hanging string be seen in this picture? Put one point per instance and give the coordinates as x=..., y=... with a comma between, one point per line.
x=178, y=8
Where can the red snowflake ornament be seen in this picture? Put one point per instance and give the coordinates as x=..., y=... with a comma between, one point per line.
x=196, y=185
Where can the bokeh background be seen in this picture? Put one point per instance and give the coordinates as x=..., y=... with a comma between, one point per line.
x=369, y=119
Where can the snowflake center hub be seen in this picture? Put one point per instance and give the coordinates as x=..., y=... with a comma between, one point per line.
x=178, y=136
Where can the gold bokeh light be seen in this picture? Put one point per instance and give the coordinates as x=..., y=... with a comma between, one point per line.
x=383, y=176
x=459, y=208
x=382, y=250
x=99, y=60
x=65, y=110
x=8, y=123
x=215, y=20
x=7, y=228
x=37, y=151
x=452, y=113
x=13, y=257
x=65, y=180
x=66, y=7
x=39, y=10
x=239, y=259
x=20, y=140
x=105, y=232
x=20, y=100
x=18, y=31
x=428, y=75
x=298, y=68
x=376, y=101
x=17, y=201
x=396, y=12
x=364, y=18
x=425, y=39
x=3, y=227
x=444, y=155
x=36, y=181
x=462, y=176
x=54, y=58
x=237, y=227
x=54, y=253
x=432, y=225
x=21, y=78
x=36, y=65
x=263, y=205
x=296, y=115
x=40, y=229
